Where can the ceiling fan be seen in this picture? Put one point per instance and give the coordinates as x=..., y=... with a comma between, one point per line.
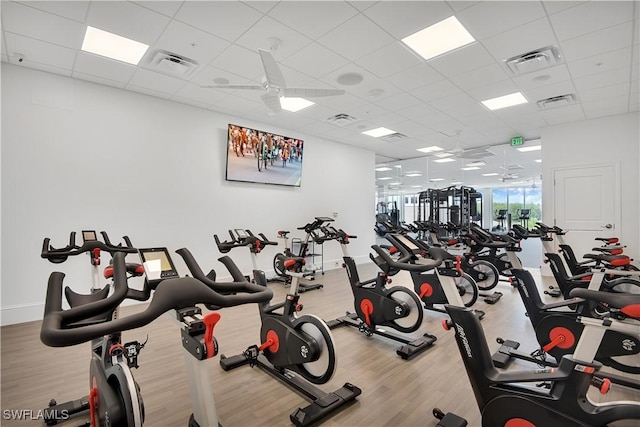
x=274, y=85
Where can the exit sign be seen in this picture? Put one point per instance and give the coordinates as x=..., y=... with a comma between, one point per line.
x=518, y=140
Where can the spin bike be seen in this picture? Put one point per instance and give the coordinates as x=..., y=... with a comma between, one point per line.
x=280, y=259
x=299, y=351
x=62, y=328
x=111, y=360
x=508, y=398
x=377, y=306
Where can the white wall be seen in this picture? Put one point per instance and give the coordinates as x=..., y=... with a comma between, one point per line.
x=78, y=155
x=613, y=139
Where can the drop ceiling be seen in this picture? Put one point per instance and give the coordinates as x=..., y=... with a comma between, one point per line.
x=435, y=102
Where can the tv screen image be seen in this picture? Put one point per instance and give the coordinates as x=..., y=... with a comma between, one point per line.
x=263, y=157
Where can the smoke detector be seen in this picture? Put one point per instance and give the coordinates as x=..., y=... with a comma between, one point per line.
x=172, y=64
x=533, y=61
x=556, y=101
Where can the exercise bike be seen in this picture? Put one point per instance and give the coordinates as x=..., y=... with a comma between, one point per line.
x=61, y=328
x=280, y=259
x=299, y=351
x=111, y=359
x=509, y=398
x=378, y=307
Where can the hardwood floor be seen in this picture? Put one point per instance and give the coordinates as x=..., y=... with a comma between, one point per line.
x=395, y=392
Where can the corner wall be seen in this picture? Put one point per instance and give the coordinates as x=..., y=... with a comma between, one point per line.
x=78, y=155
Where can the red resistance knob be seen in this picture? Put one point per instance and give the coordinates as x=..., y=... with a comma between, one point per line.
x=210, y=321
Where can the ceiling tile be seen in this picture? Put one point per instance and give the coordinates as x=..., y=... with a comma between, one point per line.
x=555, y=6
x=403, y=18
x=76, y=10
x=147, y=91
x=99, y=80
x=598, y=42
x=371, y=89
x=604, y=92
x=501, y=88
x=190, y=42
x=608, y=78
x=636, y=30
x=420, y=111
x=220, y=18
x=356, y=38
x=165, y=7
x=257, y=37
x=570, y=113
x=240, y=61
x=461, y=60
x=398, y=101
x=196, y=93
x=589, y=17
x=606, y=107
x=536, y=94
x=313, y=18
x=40, y=25
x=458, y=5
x=414, y=77
x=315, y=60
x=520, y=40
x=480, y=20
x=39, y=51
x=156, y=82
x=260, y=5
x=389, y=60
x=124, y=19
x=362, y=5
x=188, y=101
x=98, y=66
x=206, y=75
x=436, y=91
x=600, y=63
x=547, y=76
x=482, y=76
x=26, y=64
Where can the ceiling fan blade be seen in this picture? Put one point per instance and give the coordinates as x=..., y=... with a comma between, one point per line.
x=272, y=101
x=272, y=71
x=310, y=92
x=234, y=87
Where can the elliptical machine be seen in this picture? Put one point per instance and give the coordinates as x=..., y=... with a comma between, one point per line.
x=299, y=351
x=111, y=360
x=377, y=306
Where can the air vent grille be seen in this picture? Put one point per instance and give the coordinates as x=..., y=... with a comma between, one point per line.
x=476, y=153
x=341, y=120
x=556, y=101
x=394, y=136
x=174, y=65
x=511, y=167
x=534, y=60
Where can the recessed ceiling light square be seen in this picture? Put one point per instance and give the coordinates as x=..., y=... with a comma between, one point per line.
x=378, y=132
x=443, y=155
x=456, y=182
x=430, y=149
x=384, y=178
x=113, y=46
x=412, y=174
x=470, y=168
x=538, y=160
x=505, y=101
x=490, y=174
x=383, y=169
x=436, y=179
x=295, y=104
x=439, y=38
x=445, y=160
x=530, y=148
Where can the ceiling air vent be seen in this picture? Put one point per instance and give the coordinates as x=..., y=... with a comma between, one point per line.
x=394, y=136
x=476, y=153
x=341, y=120
x=556, y=101
x=511, y=167
x=172, y=64
x=534, y=60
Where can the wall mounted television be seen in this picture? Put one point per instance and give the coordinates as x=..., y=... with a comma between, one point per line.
x=263, y=157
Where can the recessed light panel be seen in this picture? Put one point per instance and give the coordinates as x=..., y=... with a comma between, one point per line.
x=113, y=46
x=383, y=169
x=538, y=160
x=530, y=148
x=378, y=132
x=439, y=38
x=295, y=104
x=490, y=174
x=470, y=168
x=445, y=160
x=505, y=101
x=430, y=149
x=436, y=179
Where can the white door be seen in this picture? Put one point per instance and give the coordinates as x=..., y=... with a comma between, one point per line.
x=587, y=203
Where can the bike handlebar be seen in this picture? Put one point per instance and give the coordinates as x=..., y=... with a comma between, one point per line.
x=58, y=329
x=251, y=240
x=402, y=263
x=60, y=255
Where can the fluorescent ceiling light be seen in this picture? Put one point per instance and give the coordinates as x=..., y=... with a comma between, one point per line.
x=295, y=104
x=439, y=38
x=491, y=174
x=443, y=155
x=395, y=183
x=430, y=149
x=538, y=160
x=445, y=160
x=505, y=101
x=383, y=169
x=398, y=166
x=378, y=132
x=413, y=174
x=456, y=182
x=530, y=148
x=416, y=186
x=436, y=179
x=470, y=168
x=113, y=46
x=385, y=178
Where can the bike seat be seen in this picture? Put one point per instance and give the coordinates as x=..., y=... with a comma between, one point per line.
x=134, y=269
x=609, y=250
x=283, y=233
x=294, y=263
x=627, y=303
x=614, y=260
x=609, y=240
